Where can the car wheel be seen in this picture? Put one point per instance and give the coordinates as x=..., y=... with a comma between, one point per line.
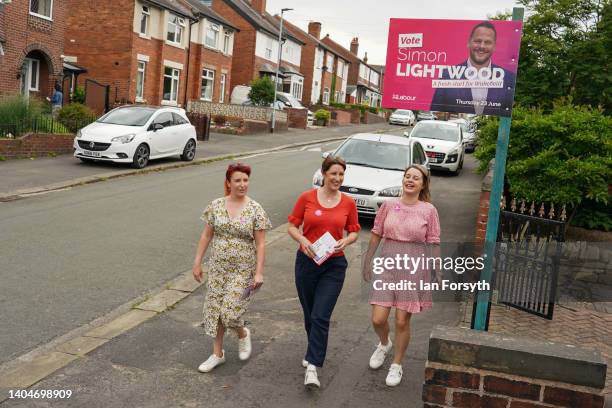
x=189, y=151
x=141, y=157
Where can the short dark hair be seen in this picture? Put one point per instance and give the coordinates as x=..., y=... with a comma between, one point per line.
x=484, y=24
x=330, y=161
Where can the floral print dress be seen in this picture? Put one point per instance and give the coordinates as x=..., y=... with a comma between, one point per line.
x=232, y=262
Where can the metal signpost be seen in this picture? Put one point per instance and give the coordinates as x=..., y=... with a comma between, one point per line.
x=280, y=54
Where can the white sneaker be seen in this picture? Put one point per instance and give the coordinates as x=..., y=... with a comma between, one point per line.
x=211, y=363
x=244, y=346
x=379, y=355
x=304, y=363
x=395, y=375
x=311, y=379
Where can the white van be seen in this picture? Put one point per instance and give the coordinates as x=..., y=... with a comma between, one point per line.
x=240, y=94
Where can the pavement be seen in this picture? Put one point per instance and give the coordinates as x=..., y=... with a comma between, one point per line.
x=149, y=356
x=24, y=177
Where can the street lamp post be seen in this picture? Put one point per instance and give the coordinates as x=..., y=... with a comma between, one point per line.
x=280, y=54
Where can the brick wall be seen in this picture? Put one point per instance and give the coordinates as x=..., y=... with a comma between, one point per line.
x=483, y=209
x=297, y=118
x=203, y=57
x=36, y=145
x=369, y=117
x=26, y=33
x=471, y=369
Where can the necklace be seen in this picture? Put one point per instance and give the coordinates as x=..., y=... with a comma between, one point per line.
x=328, y=199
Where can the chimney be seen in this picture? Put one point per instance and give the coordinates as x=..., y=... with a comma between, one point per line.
x=259, y=6
x=355, y=45
x=314, y=29
x=365, y=59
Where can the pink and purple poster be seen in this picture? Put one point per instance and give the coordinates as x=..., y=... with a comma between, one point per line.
x=466, y=66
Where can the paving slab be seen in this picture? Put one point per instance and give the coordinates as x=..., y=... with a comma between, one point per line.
x=81, y=345
x=122, y=324
x=30, y=372
x=162, y=301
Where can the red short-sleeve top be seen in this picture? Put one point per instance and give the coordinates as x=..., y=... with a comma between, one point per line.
x=317, y=220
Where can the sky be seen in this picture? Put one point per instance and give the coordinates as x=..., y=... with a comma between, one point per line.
x=369, y=20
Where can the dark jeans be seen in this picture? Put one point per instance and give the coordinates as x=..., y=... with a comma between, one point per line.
x=318, y=288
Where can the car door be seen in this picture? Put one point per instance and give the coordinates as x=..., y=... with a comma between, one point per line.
x=162, y=140
x=181, y=132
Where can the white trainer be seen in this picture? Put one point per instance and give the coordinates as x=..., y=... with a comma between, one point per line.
x=212, y=362
x=304, y=363
x=395, y=375
x=379, y=355
x=244, y=346
x=311, y=379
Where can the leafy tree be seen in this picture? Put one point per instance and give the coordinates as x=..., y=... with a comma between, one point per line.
x=262, y=91
x=565, y=51
x=79, y=95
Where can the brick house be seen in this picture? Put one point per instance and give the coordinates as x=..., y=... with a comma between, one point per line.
x=364, y=80
x=159, y=52
x=256, y=46
x=325, y=72
x=31, y=46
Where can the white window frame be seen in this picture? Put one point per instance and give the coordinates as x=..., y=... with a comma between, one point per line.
x=33, y=74
x=215, y=28
x=179, y=28
x=175, y=78
x=269, y=47
x=141, y=69
x=325, y=99
x=329, y=62
x=227, y=41
x=1, y=50
x=49, y=17
x=208, y=75
x=297, y=87
x=146, y=16
x=340, y=69
x=222, y=82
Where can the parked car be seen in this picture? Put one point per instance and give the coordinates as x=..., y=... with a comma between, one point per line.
x=469, y=134
x=443, y=143
x=402, y=117
x=425, y=115
x=137, y=134
x=375, y=168
x=292, y=102
x=240, y=94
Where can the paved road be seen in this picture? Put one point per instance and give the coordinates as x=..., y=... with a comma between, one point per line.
x=75, y=255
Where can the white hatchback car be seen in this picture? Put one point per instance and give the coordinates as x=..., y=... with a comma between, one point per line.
x=443, y=143
x=402, y=117
x=137, y=134
x=375, y=165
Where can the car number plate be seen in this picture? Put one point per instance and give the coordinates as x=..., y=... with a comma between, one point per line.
x=433, y=160
x=91, y=154
x=360, y=201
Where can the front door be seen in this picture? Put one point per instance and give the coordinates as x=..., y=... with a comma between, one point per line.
x=24, y=86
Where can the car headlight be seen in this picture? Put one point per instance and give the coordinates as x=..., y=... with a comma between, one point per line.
x=455, y=151
x=79, y=134
x=391, y=192
x=124, y=138
x=317, y=180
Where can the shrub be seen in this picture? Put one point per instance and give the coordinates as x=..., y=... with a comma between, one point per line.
x=592, y=215
x=373, y=109
x=262, y=91
x=564, y=156
x=79, y=95
x=75, y=115
x=17, y=109
x=322, y=115
x=220, y=120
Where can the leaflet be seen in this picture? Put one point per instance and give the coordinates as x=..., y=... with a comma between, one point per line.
x=323, y=248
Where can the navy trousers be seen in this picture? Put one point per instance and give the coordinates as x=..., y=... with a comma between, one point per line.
x=318, y=288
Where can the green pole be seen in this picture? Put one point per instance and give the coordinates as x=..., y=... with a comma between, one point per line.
x=480, y=320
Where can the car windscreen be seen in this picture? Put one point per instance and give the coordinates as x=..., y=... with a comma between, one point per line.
x=436, y=131
x=375, y=154
x=293, y=101
x=402, y=112
x=128, y=116
x=463, y=125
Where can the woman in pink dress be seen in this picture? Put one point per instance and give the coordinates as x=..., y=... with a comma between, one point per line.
x=411, y=229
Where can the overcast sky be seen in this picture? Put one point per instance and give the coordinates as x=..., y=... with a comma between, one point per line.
x=369, y=20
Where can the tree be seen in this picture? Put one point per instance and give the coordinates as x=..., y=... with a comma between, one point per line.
x=565, y=51
x=262, y=91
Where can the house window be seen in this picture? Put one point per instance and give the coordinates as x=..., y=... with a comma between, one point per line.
x=144, y=20
x=171, y=84
x=269, y=48
x=212, y=35
x=1, y=50
x=226, y=42
x=208, y=80
x=222, y=90
x=330, y=62
x=176, y=25
x=32, y=73
x=340, y=69
x=297, y=87
x=140, y=79
x=326, y=96
x=41, y=8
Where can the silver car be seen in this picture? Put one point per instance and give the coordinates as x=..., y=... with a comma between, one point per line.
x=375, y=168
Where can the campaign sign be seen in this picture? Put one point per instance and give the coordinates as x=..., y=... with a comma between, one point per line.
x=466, y=66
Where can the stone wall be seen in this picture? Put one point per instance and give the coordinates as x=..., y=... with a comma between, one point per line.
x=35, y=145
x=472, y=369
x=235, y=111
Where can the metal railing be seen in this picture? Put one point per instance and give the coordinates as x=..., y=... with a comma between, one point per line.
x=43, y=124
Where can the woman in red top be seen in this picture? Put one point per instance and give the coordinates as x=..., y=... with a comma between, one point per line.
x=319, y=211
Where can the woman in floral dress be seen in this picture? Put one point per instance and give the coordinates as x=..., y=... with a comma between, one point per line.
x=237, y=223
